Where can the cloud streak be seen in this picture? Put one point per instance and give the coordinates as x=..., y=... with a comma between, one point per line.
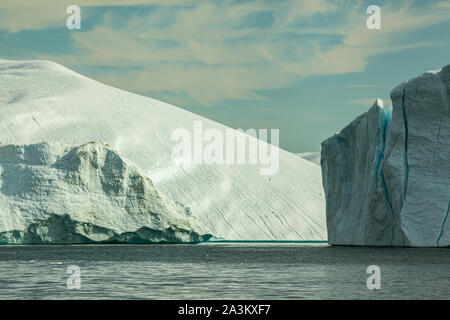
x=211, y=51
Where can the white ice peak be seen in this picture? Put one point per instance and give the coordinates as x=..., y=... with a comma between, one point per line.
x=43, y=101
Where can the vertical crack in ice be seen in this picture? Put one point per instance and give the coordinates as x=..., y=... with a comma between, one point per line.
x=388, y=199
x=448, y=205
x=380, y=154
x=382, y=134
x=443, y=224
x=405, y=153
x=385, y=121
x=438, y=137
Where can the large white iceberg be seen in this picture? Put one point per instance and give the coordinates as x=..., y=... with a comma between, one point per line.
x=44, y=101
x=387, y=174
x=62, y=194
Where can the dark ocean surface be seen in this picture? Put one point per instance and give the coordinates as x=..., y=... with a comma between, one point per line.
x=221, y=271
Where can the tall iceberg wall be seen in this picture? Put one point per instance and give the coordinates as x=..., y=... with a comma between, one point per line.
x=386, y=175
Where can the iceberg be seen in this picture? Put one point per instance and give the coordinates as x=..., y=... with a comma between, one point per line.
x=386, y=175
x=51, y=193
x=44, y=101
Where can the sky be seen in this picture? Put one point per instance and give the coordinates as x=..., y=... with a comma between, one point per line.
x=305, y=67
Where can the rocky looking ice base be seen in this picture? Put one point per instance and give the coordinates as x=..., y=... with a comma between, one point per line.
x=62, y=194
x=387, y=174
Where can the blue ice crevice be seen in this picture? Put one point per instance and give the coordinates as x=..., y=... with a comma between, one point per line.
x=386, y=119
x=385, y=122
x=443, y=224
x=405, y=152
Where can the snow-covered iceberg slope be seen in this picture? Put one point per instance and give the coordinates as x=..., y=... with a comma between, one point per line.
x=43, y=101
x=387, y=174
x=60, y=194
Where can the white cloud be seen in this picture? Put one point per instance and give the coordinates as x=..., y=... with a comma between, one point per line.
x=204, y=52
x=18, y=15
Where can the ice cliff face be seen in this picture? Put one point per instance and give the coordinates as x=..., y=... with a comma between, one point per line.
x=62, y=194
x=387, y=174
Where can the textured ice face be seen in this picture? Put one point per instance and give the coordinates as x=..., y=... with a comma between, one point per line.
x=387, y=174
x=60, y=194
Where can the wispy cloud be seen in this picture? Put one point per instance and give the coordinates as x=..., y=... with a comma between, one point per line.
x=228, y=50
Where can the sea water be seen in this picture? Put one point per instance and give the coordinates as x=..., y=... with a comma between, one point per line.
x=221, y=271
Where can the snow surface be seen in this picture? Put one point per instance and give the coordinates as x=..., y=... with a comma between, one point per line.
x=44, y=101
x=387, y=174
x=61, y=194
